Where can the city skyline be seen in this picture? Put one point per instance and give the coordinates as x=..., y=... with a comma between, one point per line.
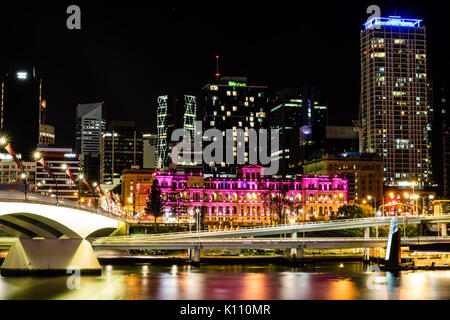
x=88, y=74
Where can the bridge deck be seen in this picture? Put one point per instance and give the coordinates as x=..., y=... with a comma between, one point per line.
x=290, y=228
x=265, y=243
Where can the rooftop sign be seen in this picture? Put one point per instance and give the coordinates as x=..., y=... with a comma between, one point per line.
x=394, y=21
x=236, y=84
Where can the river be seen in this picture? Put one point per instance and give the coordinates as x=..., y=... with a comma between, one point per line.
x=332, y=281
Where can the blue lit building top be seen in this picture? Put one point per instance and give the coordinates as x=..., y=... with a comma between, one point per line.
x=393, y=21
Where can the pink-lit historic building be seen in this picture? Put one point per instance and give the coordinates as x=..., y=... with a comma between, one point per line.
x=249, y=199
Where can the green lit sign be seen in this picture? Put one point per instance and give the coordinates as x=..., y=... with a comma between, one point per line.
x=236, y=84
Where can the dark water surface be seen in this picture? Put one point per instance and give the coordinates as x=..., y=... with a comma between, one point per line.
x=350, y=280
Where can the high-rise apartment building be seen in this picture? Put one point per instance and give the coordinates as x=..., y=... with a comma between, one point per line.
x=175, y=111
x=121, y=148
x=395, y=108
x=230, y=104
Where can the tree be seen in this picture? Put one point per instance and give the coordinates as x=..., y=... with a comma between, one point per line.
x=280, y=201
x=348, y=211
x=155, y=205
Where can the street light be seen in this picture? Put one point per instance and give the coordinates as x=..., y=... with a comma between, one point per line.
x=197, y=219
x=37, y=155
x=369, y=197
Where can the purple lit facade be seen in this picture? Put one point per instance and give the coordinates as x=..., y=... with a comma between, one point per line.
x=250, y=199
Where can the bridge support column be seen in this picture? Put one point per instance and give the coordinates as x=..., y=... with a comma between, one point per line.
x=195, y=256
x=366, y=250
x=444, y=229
x=293, y=254
x=50, y=257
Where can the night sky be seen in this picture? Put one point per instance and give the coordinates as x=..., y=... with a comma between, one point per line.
x=128, y=53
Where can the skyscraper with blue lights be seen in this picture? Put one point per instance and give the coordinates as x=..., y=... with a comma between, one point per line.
x=395, y=109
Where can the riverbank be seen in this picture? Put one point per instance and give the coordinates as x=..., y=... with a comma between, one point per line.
x=216, y=260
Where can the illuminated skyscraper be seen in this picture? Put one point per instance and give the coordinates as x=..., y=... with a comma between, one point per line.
x=395, y=109
x=231, y=104
x=175, y=111
x=90, y=124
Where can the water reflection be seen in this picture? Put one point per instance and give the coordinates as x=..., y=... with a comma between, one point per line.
x=325, y=281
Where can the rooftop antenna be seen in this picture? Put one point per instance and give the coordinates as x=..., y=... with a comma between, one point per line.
x=217, y=68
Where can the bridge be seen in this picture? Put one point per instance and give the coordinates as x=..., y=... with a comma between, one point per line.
x=44, y=226
x=265, y=243
x=40, y=216
x=295, y=228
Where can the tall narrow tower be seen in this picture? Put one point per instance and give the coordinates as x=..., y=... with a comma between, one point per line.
x=395, y=107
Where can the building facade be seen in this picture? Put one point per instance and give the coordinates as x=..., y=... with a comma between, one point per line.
x=10, y=172
x=149, y=142
x=134, y=189
x=233, y=104
x=175, y=111
x=47, y=134
x=121, y=148
x=300, y=115
x=22, y=109
x=90, y=124
x=364, y=173
x=247, y=199
x=395, y=108
x=58, y=160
